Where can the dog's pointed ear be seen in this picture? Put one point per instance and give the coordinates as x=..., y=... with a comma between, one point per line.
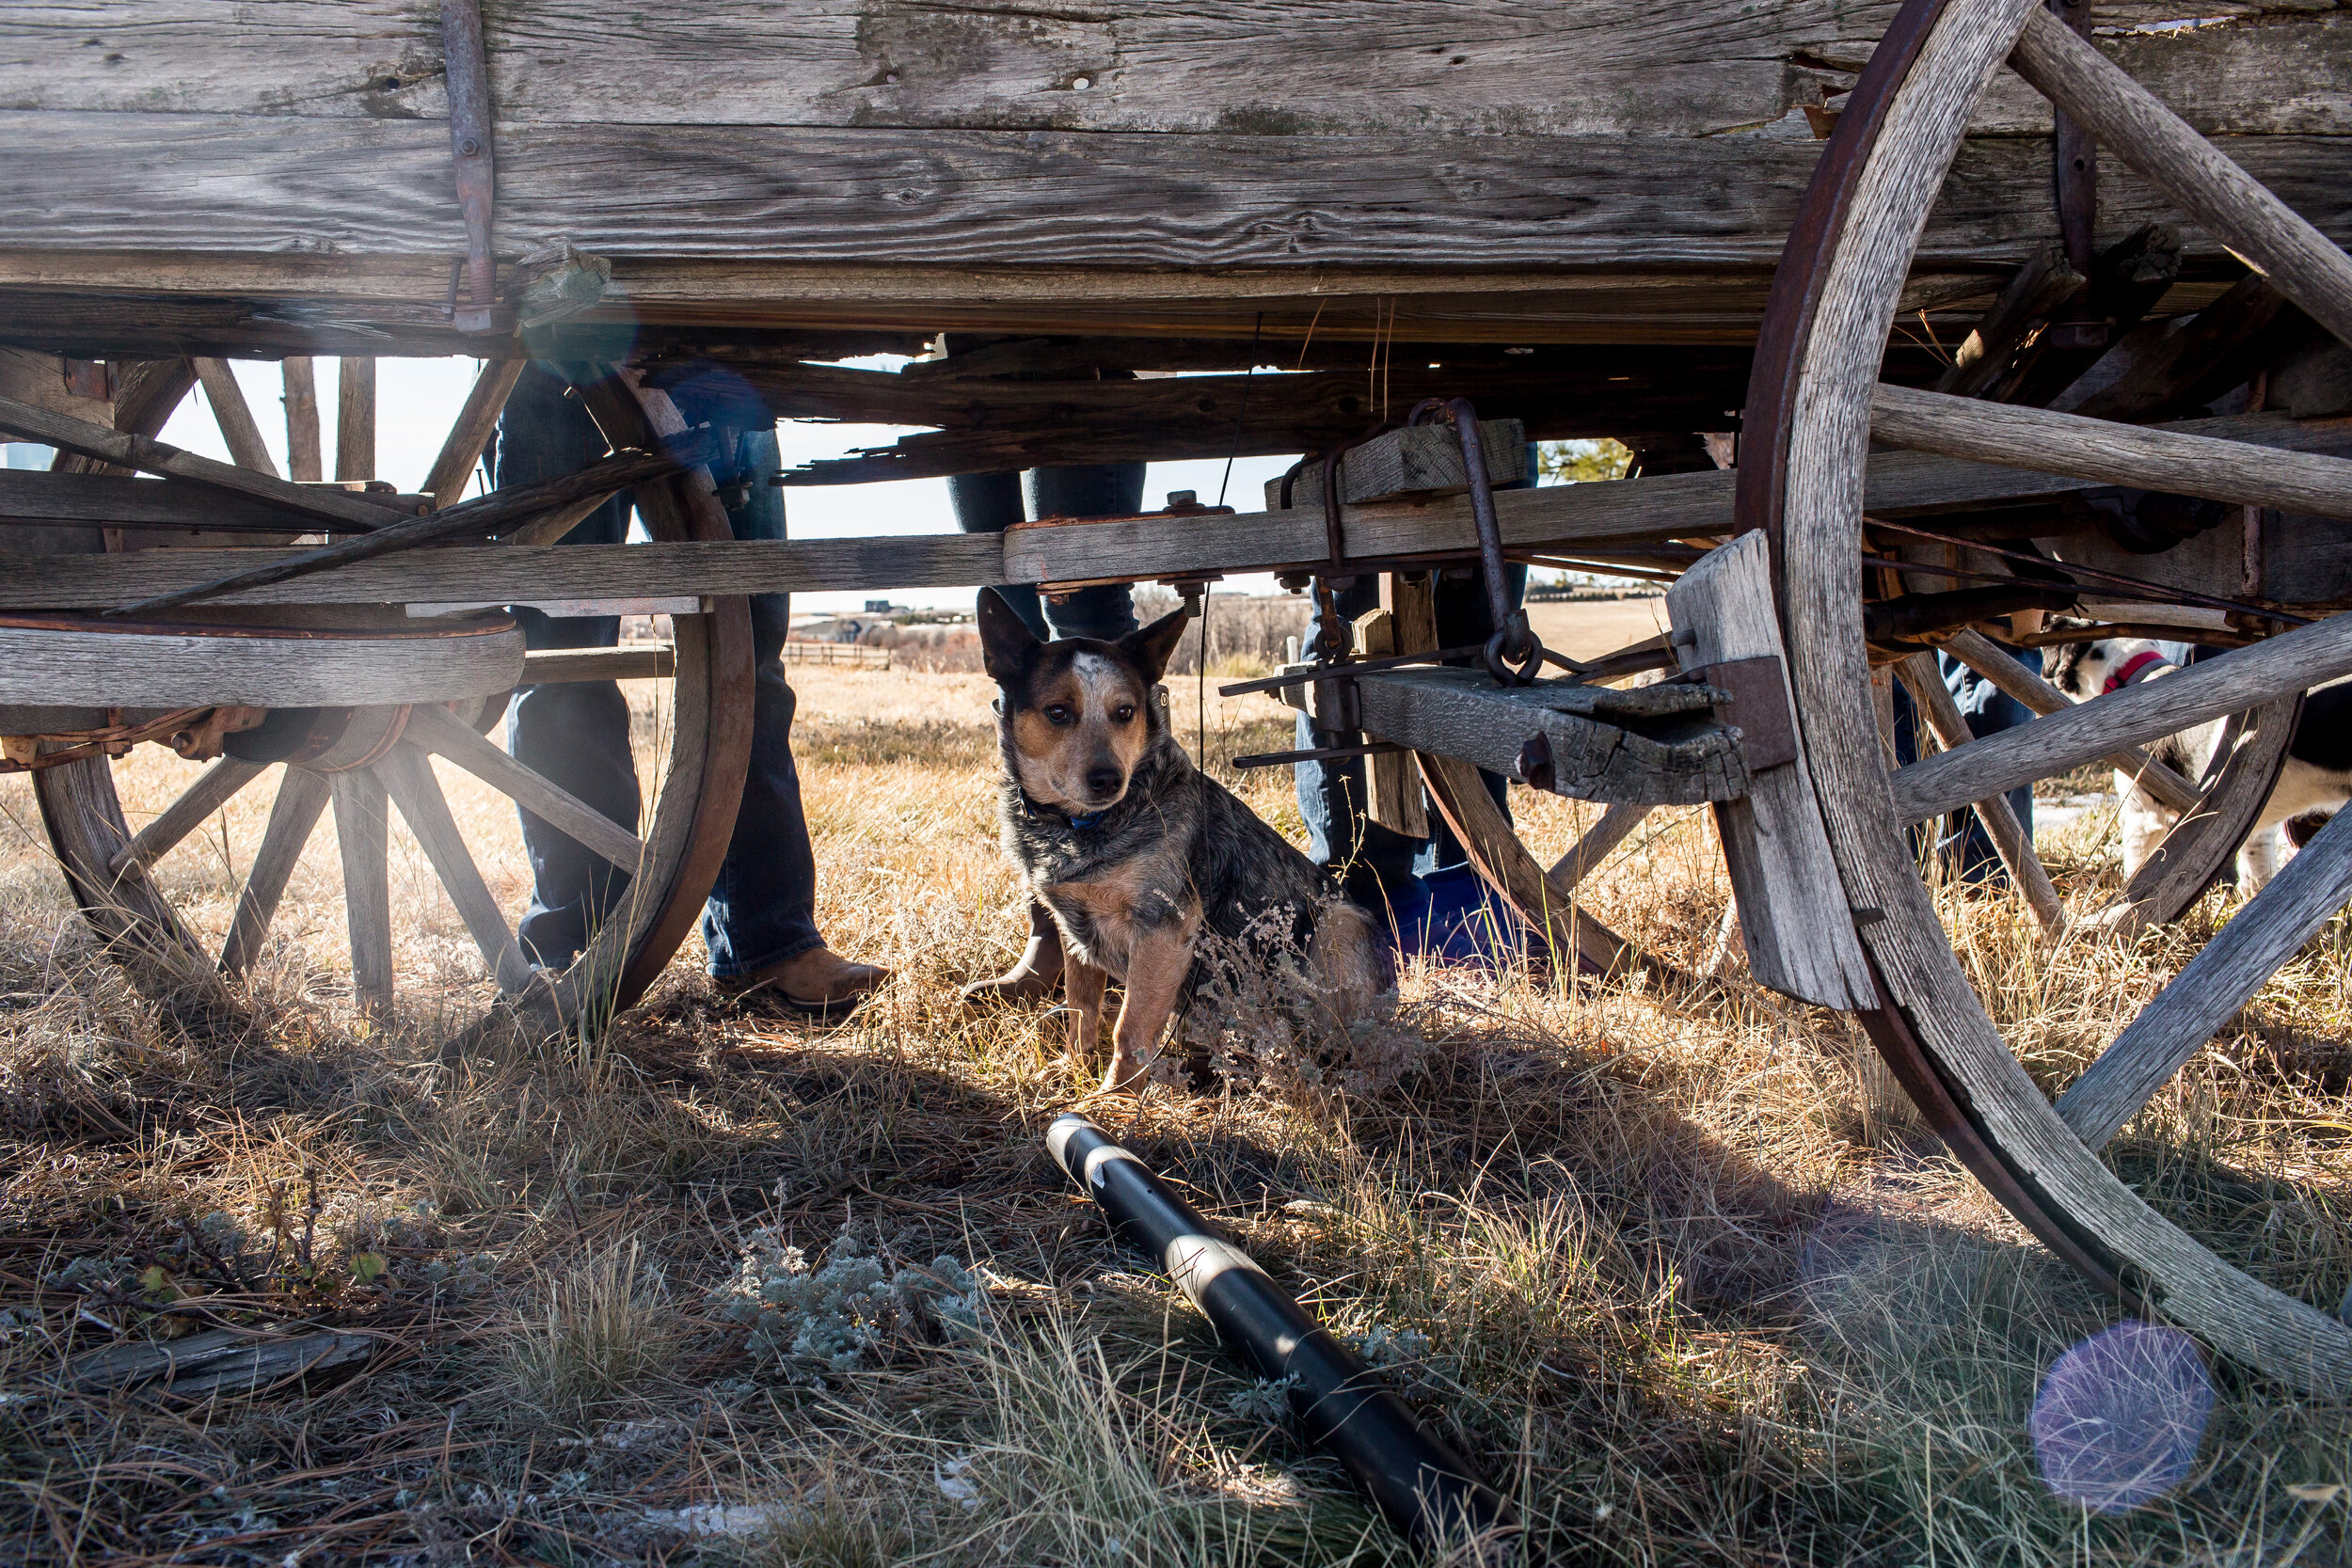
x=1156, y=644
x=1007, y=643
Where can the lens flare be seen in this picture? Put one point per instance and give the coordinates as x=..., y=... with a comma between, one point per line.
x=2120, y=1417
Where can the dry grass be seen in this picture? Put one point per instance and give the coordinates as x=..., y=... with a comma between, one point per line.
x=1688, y=1290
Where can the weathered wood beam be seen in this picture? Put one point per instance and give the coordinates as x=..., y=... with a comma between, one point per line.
x=32, y=496
x=1653, y=744
x=1684, y=67
x=2154, y=371
x=824, y=197
x=1671, y=506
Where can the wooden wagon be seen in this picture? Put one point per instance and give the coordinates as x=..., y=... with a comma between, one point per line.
x=1982, y=361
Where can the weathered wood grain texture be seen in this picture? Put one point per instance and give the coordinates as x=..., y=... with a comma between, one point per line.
x=2290, y=662
x=470, y=432
x=1934, y=699
x=2222, y=978
x=1426, y=460
x=355, y=418
x=213, y=788
x=2229, y=202
x=301, y=797
x=363, y=842
x=133, y=921
x=305, y=450
x=2043, y=283
x=219, y=1361
x=1986, y=657
x=407, y=773
x=1393, y=791
x=1595, y=755
x=2113, y=453
x=2152, y=369
x=1237, y=66
x=1800, y=938
x=231, y=412
x=2177, y=872
x=441, y=732
x=150, y=669
x=629, y=662
x=1019, y=200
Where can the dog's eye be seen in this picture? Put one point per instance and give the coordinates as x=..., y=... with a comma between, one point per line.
x=1058, y=714
x=1123, y=712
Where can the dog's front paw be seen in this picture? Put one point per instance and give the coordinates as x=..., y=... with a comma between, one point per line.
x=1127, y=1074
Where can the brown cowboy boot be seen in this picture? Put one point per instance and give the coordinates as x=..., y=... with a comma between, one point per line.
x=1035, y=974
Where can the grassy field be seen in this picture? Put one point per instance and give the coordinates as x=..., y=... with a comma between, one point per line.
x=1667, y=1261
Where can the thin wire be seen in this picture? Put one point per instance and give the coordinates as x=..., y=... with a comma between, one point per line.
x=1249, y=371
x=2167, y=589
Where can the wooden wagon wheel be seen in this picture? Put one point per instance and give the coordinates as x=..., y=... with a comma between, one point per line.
x=1811, y=413
x=361, y=759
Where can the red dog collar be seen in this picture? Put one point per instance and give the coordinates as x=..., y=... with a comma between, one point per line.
x=2131, y=671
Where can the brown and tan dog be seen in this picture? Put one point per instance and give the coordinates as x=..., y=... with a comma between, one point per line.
x=1134, y=851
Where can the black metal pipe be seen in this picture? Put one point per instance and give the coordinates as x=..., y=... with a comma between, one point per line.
x=1420, y=1484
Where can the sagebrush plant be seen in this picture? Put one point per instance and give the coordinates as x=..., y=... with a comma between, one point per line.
x=1694, y=1285
x=849, y=1312
x=1262, y=1023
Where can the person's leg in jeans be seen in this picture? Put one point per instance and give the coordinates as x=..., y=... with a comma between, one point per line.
x=989, y=503
x=760, y=922
x=575, y=733
x=1989, y=711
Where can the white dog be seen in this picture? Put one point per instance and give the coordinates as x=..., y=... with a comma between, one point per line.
x=2315, y=779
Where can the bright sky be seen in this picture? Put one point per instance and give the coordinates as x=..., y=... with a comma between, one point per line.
x=416, y=399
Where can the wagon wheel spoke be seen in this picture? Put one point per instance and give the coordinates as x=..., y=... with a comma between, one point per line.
x=213, y=788
x=2229, y=204
x=362, y=830
x=2222, y=978
x=476, y=423
x=2278, y=668
x=2182, y=866
x=2236, y=472
x=1935, y=703
x=234, y=417
x=301, y=797
x=1984, y=655
x=408, y=775
x=441, y=732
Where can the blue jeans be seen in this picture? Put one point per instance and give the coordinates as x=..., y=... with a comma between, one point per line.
x=1960, y=840
x=989, y=503
x=762, y=908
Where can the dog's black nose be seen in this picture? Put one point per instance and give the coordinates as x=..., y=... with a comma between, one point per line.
x=1103, y=780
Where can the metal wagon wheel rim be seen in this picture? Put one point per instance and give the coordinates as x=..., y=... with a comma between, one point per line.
x=1809, y=423
x=364, y=763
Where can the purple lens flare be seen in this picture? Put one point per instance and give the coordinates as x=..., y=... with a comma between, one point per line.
x=2121, y=1416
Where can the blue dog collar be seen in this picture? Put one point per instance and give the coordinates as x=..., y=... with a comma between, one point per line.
x=1087, y=821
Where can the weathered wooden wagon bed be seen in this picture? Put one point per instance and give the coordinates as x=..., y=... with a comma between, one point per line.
x=1973, y=382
